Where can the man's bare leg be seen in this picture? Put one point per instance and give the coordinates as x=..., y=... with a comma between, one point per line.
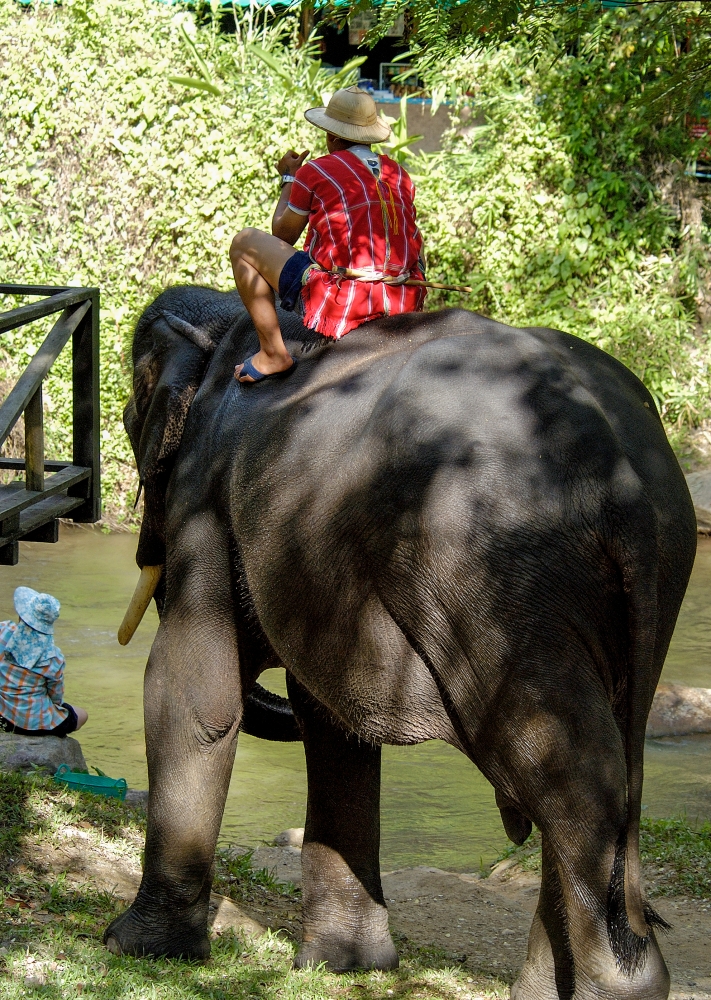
x=257, y=261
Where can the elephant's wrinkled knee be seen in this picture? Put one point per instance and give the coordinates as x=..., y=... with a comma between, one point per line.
x=210, y=732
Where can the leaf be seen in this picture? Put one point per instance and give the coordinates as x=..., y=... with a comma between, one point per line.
x=187, y=81
x=341, y=77
x=10, y=225
x=439, y=93
x=202, y=65
x=272, y=62
x=12, y=901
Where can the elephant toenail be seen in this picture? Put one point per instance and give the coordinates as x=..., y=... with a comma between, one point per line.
x=113, y=946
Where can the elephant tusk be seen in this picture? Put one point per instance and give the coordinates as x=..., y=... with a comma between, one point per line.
x=145, y=589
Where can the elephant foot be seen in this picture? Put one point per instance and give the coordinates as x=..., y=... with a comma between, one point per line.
x=528, y=988
x=135, y=933
x=342, y=954
x=540, y=981
x=344, y=924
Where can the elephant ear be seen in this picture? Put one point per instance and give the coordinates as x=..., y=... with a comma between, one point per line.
x=170, y=359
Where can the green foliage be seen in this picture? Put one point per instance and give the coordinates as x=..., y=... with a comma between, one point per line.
x=678, y=856
x=13, y=817
x=527, y=857
x=112, y=175
x=672, y=39
x=543, y=201
x=135, y=143
x=235, y=876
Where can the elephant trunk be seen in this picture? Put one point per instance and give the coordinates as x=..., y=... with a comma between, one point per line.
x=145, y=589
x=268, y=716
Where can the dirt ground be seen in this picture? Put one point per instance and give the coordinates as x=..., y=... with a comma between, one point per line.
x=481, y=923
x=484, y=922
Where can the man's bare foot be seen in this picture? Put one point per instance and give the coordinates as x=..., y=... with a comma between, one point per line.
x=266, y=365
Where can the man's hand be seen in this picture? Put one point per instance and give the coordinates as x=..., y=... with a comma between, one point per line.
x=291, y=161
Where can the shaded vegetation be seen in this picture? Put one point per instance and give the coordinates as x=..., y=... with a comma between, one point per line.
x=235, y=876
x=673, y=37
x=678, y=856
x=13, y=815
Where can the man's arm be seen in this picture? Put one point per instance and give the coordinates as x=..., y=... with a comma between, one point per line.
x=288, y=225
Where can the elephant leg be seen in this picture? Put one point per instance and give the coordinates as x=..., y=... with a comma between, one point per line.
x=570, y=953
x=192, y=706
x=567, y=771
x=344, y=917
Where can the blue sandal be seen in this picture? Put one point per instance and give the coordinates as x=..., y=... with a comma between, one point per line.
x=257, y=376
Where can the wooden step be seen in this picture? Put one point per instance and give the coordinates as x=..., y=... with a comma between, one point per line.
x=41, y=515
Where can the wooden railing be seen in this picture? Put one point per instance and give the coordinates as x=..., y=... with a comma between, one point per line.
x=52, y=489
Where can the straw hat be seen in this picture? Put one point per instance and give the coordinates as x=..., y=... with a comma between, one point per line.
x=351, y=114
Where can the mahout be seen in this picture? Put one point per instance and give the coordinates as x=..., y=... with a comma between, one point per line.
x=442, y=527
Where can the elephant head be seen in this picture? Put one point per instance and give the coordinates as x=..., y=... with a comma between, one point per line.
x=170, y=357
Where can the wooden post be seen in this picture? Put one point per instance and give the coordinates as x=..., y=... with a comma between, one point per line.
x=85, y=389
x=34, y=443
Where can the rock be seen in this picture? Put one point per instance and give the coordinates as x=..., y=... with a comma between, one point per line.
x=137, y=798
x=699, y=484
x=293, y=837
x=26, y=753
x=284, y=863
x=678, y=710
x=225, y=915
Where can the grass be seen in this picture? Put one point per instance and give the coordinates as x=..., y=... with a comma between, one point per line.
x=51, y=922
x=235, y=877
x=676, y=856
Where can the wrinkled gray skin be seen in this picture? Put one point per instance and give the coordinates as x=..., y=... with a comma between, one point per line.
x=443, y=528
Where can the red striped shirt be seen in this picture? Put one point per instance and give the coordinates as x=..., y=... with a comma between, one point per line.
x=358, y=222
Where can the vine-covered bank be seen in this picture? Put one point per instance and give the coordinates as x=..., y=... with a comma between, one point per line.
x=551, y=203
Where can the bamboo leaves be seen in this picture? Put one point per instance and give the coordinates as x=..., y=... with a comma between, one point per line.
x=207, y=86
x=206, y=82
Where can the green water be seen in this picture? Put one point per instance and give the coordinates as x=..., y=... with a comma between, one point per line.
x=436, y=807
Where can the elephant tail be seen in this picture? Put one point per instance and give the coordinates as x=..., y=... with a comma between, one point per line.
x=630, y=917
x=269, y=717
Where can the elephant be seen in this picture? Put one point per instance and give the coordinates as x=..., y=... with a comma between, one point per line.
x=442, y=528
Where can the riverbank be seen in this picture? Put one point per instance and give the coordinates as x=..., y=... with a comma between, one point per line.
x=69, y=862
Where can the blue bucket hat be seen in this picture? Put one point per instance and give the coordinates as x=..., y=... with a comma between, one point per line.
x=39, y=611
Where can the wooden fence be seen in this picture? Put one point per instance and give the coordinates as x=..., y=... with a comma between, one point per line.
x=52, y=489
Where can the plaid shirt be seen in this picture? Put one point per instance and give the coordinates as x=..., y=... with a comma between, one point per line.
x=30, y=699
x=360, y=222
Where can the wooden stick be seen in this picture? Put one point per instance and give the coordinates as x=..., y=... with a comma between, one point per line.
x=437, y=284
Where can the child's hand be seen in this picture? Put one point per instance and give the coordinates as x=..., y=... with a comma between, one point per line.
x=291, y=161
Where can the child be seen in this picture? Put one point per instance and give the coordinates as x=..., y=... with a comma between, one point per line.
x=32, y=671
